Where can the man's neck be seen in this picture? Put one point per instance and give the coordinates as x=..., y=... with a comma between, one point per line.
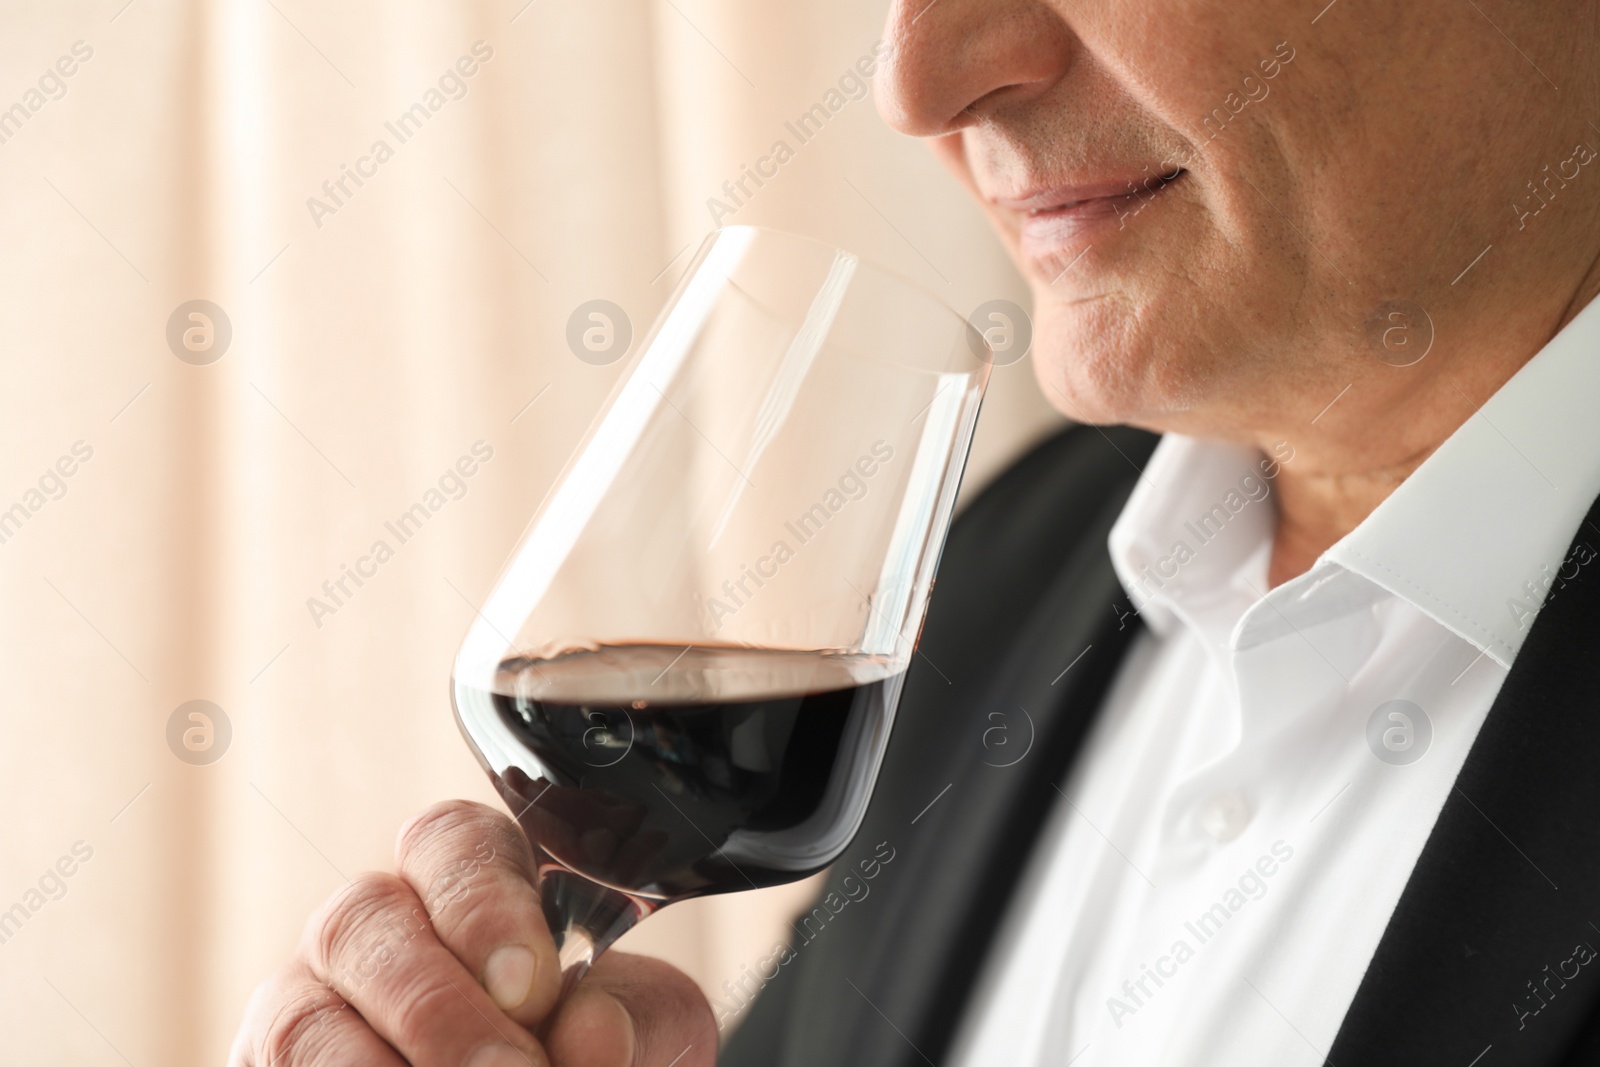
x=1340, y=482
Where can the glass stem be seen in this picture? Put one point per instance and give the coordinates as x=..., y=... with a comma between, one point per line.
x=576, y=954
x=584, y=917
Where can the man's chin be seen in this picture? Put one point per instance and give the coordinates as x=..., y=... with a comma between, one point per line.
x=1083, y=364
x=1077, y=391
x=1098, y=362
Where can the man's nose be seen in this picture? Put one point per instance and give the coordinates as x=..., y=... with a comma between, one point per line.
x=950, y=60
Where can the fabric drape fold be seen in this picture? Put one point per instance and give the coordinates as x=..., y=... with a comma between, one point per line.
x=391, y=213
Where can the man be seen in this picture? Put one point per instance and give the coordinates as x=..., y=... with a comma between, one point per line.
x=1297, y=715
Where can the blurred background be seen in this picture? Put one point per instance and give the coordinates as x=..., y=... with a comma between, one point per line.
x=168, y=511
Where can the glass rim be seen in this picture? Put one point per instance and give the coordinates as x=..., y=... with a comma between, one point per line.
x=871, y=264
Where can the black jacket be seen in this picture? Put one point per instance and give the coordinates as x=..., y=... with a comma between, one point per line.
x=1506, y=886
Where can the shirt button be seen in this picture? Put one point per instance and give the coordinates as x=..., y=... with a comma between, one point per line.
x=1224, y=816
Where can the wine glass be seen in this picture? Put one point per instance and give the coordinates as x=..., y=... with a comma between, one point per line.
x=683, y=681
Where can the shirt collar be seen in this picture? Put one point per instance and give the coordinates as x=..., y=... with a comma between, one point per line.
x=1480, y=532
x=1475, y=537
x=1192, y=540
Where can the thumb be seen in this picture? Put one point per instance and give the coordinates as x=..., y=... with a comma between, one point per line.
x=633, y=1011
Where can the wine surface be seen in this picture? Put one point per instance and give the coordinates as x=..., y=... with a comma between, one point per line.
x=667, y=772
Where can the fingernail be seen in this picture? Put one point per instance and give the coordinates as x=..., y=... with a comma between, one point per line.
x=624, y=1026
x=508, y=975
x=497, y=1056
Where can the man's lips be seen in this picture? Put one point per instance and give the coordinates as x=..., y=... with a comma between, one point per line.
x=1057, y=224
x=1060, y=196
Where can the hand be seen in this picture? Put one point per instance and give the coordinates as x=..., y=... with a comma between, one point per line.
x=450, y=964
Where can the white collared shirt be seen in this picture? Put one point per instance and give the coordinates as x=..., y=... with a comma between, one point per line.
x=1267, y=766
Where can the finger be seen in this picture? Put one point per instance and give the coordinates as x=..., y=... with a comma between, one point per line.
x=633, y=1011
x=373, y=945
x=293, y=1020
x=474, y=872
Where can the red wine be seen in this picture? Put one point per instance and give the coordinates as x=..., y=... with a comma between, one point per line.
x=667, y=772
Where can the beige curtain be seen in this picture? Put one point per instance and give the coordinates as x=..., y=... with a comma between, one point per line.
x=171, y=511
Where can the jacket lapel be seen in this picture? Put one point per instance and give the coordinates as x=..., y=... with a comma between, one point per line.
x=972, y=818
x=1491, y=951
x=1019, y=646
